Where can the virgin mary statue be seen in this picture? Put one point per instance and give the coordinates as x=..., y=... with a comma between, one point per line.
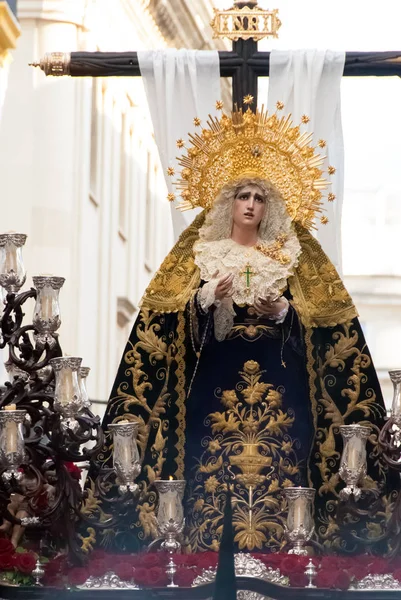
x=247, y=355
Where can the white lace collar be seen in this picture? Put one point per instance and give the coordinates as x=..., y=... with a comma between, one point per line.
x=266, y=276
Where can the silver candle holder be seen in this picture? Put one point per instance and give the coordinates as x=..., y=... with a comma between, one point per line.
x=67, y=393
x=300, y=524
x=310, y=573
x=13, y=372
x=126, y=459
x=12, y=270
x=394, y=423
x=170, y=519
x=353, y=460
x=12, y=446
x=46, y=314
x=82, y=375
x=395, y=377
x=38, y=572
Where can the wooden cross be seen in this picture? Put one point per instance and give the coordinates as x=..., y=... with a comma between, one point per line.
x=244, y=64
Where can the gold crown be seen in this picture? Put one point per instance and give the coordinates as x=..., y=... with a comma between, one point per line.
x=260, y=145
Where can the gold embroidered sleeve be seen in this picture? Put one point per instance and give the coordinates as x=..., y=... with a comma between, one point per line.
x=319, y=295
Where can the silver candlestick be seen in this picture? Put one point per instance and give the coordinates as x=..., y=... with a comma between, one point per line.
x=395, y=417
x=38, y=572
x=12, y=271
x=46, y=314
x=395, y=377
x=67, y=393
x=126, y=459
x=311, y=573
x=353, y=459
x=12, y=446
x=82, y=375
x=300, y=525
x=170, y=519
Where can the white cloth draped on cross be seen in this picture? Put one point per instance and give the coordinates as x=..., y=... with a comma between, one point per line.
x=308, y=82
x=179, y=85
x=182, y=84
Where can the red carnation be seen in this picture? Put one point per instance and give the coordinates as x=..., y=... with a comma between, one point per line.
x=73, y=470
x=25, y=562
x=7, y=561
x=365, y=559
x=271, y=560
x=141, y=576
x=326, y=579
x=378, y=566
x=150, y=560
x=98, y=567
x=77, y=575
x=207, y=560
x=184, y=577
x=6, y=546
x=124, y=570
x=55, y=566
x=99, y=553
x=293, y=563
x=183, y=559
x=328, y=562
x=298, y=579
x=53, y=581
x=358, y=571
x=342, y=580
x=157, y=577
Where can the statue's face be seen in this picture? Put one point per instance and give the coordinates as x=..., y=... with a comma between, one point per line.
x=249, y=207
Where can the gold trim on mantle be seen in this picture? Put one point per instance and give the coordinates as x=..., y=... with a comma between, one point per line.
x=9, y=32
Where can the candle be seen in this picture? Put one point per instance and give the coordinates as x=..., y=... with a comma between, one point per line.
x=299, y=512
x=170, y=499
x=11, y=433
x=395, y=377
x=46, y=300
x=125, y=448
x=355, y=452
x=66, y=389
x=11, y=258
x=47, y=308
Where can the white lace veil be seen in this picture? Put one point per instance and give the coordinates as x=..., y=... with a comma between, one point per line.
x=218, y=223
x=215, y=252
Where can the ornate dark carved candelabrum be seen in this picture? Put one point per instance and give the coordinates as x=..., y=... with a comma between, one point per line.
x=46, y=425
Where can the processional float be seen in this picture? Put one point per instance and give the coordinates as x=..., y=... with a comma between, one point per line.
x=47, y=428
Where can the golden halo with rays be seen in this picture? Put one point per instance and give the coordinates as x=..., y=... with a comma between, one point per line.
x=264, y=145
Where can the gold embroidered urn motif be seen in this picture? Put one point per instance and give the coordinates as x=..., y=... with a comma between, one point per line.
x=250, y=448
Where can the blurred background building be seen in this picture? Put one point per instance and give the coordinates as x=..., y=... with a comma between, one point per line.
x=79, y=168
x=80, y=173
x=9, y=33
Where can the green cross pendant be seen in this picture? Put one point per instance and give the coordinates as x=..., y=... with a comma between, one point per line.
x=248, y=272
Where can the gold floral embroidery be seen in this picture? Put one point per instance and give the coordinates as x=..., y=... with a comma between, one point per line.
x=343, y=353
x=319, y=295
x=251, y=446
x=137, y=399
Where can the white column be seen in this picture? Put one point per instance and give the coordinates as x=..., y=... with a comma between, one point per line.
x=9, y=32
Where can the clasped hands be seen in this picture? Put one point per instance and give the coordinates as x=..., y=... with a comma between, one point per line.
x=265, y=307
